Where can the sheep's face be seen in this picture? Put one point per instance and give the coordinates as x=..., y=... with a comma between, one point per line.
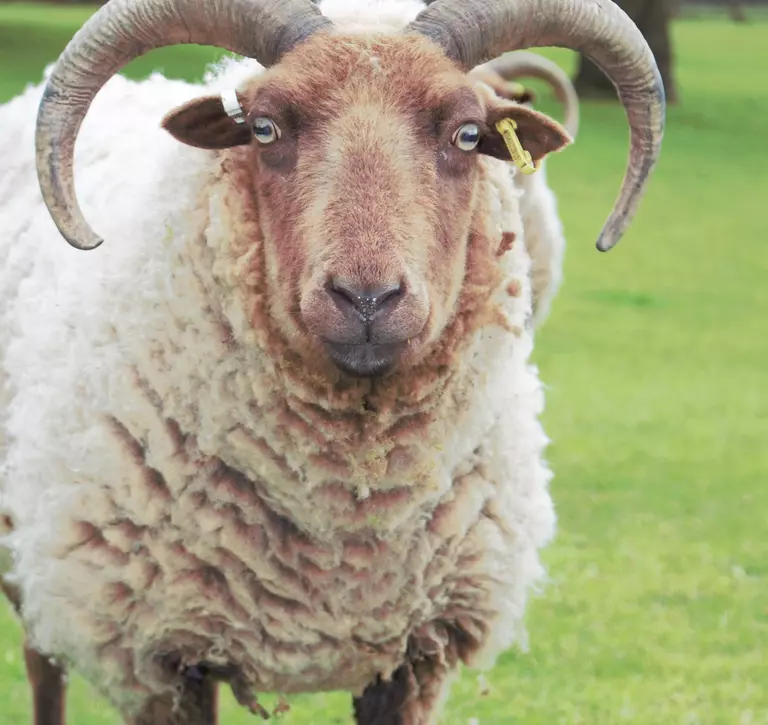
x=363, y=153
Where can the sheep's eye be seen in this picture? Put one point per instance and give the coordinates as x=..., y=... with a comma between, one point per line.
x=265, y=130
x=466, y=137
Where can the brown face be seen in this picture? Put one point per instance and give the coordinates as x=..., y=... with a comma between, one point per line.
x=363, y=157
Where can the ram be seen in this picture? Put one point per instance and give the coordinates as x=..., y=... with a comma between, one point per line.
x=281, y=430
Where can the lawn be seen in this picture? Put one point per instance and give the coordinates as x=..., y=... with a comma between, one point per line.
x=656, y=355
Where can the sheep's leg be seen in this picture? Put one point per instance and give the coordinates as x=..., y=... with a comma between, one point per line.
x=411, y=697
x=382, y=703
x=48, y=687
x=47, y=680
x=197, y=706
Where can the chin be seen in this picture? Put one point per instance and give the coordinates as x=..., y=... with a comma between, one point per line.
x=367, y=360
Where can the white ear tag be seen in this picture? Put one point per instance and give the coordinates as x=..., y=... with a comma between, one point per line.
x=232, y=106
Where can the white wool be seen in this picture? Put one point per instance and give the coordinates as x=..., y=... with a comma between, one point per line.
x=370, y=16
x=130, y=332
x=544, y=239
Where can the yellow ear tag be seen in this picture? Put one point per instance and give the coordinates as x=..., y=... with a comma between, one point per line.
x=506, y=127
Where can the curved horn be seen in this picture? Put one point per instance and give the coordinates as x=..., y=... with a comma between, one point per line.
x=125, y=29
x=531, y=65
x=474, y=31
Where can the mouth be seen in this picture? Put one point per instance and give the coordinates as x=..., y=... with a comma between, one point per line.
x=366, y=360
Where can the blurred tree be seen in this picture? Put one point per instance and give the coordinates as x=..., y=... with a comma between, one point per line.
x=652, y=18
x=736, y=11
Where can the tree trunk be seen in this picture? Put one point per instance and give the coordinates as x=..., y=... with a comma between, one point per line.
x=652, y=18
x=736, y=11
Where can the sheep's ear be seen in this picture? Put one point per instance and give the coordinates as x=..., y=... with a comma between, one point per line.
x=539, y=134
x=205, y=124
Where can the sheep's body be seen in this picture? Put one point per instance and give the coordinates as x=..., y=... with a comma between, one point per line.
x=175, y=487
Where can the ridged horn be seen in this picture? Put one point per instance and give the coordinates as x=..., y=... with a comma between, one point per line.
x=122, y=30
x=523, y=64
x=474, y=31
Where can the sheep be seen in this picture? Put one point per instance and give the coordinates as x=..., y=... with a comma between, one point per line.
x=281, y=430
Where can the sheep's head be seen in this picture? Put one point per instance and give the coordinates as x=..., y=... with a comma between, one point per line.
x=363, y=148
x=364, y=175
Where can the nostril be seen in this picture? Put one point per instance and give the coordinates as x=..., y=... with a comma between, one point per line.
x=376, y=298
x=366, y=300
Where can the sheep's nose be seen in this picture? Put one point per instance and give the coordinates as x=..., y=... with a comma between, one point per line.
x=366, y=301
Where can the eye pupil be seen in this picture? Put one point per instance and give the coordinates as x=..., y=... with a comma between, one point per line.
x=467, y=137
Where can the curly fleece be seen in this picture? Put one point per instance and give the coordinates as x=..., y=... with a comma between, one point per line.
x=169, y=485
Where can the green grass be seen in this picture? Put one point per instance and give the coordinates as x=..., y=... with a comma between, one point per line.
x=656, y=356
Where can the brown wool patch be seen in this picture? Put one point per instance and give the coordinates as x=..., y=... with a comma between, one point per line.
x=294, y=424
x=507, y=242
x=99, y=552
x=226, y=335
x=117, y=592
x=500, y=319
x=330, y=464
